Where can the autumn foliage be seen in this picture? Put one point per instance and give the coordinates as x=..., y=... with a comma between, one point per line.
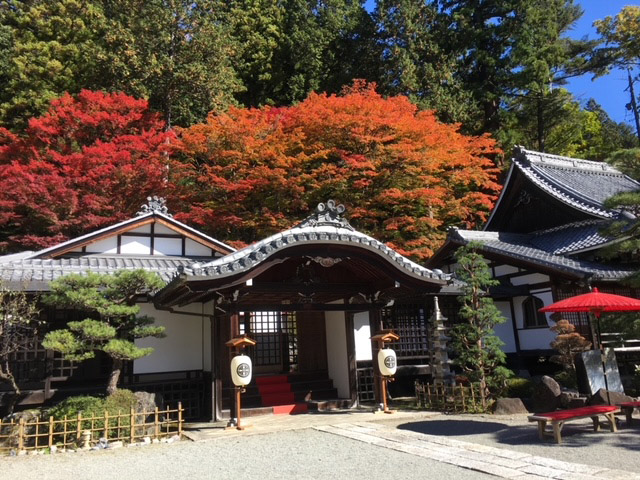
x=88, y=162
x=402, y=174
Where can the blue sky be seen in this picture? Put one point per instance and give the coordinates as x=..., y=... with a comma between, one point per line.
x=608, y=91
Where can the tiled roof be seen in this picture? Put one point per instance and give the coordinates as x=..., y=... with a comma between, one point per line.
x=570, y=238
x=325, y=226
x=582, y=184
x=520, y=248
x=35, y=274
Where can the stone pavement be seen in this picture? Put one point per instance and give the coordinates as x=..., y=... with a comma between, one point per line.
x=434, y=442
x=500, y=462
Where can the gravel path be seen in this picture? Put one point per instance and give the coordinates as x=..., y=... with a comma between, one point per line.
x=294, y=454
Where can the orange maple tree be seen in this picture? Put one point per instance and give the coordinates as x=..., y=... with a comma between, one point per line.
x=403, y=175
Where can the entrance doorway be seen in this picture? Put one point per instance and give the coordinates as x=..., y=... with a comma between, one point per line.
x=276, y=334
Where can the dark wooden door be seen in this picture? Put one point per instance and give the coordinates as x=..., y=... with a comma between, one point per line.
x=312, y=342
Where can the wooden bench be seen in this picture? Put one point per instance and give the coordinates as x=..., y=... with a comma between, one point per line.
x=627, y=408
x=558, y=419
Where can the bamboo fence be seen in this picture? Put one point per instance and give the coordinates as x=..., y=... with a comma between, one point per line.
x=41, y=433
x=449, y=398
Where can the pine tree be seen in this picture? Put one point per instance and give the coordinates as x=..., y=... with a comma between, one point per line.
x=113, y=321
x=477, y=348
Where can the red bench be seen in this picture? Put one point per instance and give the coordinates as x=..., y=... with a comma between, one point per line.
x=627, y=408
x=558, y=419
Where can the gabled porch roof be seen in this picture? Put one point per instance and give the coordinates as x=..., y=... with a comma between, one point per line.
x=318, y=262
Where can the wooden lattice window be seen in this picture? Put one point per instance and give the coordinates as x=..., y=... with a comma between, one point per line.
x=531, y=316
x=410, y=322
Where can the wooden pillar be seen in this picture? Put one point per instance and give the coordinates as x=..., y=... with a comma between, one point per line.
x=375, y=326
x=234, y=326
x=351, y=359
x=216, y=366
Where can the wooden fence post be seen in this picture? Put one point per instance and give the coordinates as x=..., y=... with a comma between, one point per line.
x=156, y=424
x=78, y=426
x=50, y=432
x=132, y=423
x=179, y=419
x=106, y=425
x=21, y=434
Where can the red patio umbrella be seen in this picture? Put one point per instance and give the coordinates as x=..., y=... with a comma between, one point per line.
x=595, y=303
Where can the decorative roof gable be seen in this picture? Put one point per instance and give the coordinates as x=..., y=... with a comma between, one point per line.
x=581, y=185
x=152, y=226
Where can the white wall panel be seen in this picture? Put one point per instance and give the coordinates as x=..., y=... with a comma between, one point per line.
x=362, y=336
x=337, y=360
x=181, y=349
x=135, y=245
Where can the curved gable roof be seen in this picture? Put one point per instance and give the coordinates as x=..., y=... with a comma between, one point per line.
x=583, y=185
x=326, y=226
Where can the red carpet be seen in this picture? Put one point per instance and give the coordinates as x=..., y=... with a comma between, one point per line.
x=275, y=391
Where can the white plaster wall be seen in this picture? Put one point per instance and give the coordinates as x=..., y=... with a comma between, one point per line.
x=505, y=270
x=534, y=338
x=505, y=330
x=107, y=245
x=143, y=229
x=362, y=336
x=530, y=279
x=183, y=347
x=159, y=228
x=196, y=249
x=167, y=246
x=135, y=245
x=337, y=360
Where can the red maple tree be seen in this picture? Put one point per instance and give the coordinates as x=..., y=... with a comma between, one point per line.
x=90, y=161
x=404, y=175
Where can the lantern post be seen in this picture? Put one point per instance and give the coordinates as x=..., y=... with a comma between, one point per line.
x=387, y=363
x=240, y=371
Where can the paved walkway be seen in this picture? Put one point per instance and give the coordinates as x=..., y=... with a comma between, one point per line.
x=499, y=462
x=506, y=447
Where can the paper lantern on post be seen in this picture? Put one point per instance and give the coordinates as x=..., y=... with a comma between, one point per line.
x=241, y=368
x=387, y=362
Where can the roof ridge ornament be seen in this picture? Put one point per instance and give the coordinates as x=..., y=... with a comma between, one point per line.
x=155, y=204
x=327, y=214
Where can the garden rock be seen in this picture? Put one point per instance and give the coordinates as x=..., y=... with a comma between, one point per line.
x=117, y=444
x=509, y=406
x=566, y=397
x=600, y=398
x=578, y=402
x=147, y=401
x=546, y=395
x=10, y=432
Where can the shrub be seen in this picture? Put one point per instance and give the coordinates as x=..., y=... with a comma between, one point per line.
x=120, y=402
x=71, y=406
x=519, y=387
x=567, y=379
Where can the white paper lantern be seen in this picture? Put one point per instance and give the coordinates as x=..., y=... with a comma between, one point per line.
x=387, y=362
x=241, y=370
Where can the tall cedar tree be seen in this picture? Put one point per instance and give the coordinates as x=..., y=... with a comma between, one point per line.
x=476, y=346
x=113, y=321
x=19, y=324
x=404, y=175
x=88, y=162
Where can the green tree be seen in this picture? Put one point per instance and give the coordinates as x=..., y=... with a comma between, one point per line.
x=179, y=54
x=290, y=48
x=176, y=54
x=621, y=35
x=53, y=47
x=113, y=321
x=508, y=49
x=19, y=323
x=477, y=348
x=417, y=63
